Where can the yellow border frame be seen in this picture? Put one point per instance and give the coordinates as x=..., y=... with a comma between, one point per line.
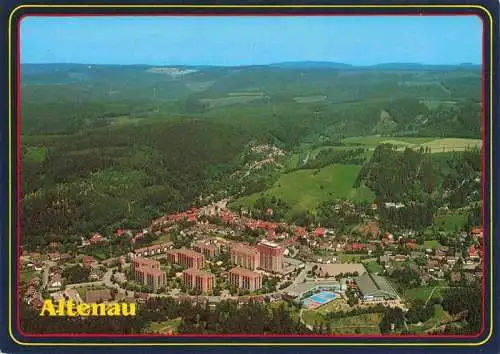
x=227, y=344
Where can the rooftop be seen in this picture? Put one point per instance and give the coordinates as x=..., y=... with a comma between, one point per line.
x=244, y=272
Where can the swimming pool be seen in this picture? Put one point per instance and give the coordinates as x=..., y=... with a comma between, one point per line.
x=319, y=299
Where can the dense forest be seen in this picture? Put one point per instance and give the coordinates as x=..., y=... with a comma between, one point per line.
x=116, y=146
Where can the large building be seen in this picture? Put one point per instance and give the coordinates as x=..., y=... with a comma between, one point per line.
x=147, y=272
x=153, y=250
x=271, y=256
x=245, y=279
x=186, y=258
x=199, y=279
x=374, y=288
x=206, y=248
x=245, y=256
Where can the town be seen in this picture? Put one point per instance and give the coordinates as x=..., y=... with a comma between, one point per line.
x=212, y=253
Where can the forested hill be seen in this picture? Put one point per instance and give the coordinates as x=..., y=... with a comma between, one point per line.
x=107, y=146
x=120, y=177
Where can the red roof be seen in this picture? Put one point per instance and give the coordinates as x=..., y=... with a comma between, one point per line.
x=472, y=251
x=477, y=231
x=320, y=231
x=358, y=246
x=119, y=232
x=300, y=231
x=269, y=211
x=411, y=244
x=87, y=259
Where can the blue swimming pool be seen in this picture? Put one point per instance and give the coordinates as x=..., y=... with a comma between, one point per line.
x=319, y=299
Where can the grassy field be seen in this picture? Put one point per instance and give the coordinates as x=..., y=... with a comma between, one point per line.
x=366, y=323
x=164, y=326
x=200, y=86
x=452, y=144
x=230, y=100
x=422, y=293
x=451, y=222
x=373, y=267
x=374, y=140
x=363, y=324
x=309, y=99
x=435, y=145
x=434, y=104
x=27, y=275
x=35, y=154
x=305, y=189
x=431, y=244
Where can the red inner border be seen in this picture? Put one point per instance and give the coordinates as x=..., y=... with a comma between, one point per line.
x=153, y=335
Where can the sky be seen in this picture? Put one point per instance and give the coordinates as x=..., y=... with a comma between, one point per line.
x=233, y=41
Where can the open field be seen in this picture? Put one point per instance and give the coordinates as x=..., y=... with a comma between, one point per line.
x=374, y=140
x=451, y=222
x=306, y=189
x=164, y=326
x=200, y=86
x=434, y=104
x=230, y=100
x=35, y=154
x=373, y=267
x=422, y=293
x=452, y=144
x=27, y=275
x=435, y=145
x=431, y=244
x=309, y=99
x=363, y=324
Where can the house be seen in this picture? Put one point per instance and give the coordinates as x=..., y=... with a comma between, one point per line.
x=96, y=238
x=88, y=261
x=54, y=256
x=432, y=264
x=451, y=260
x=319, y=232
x=55, y=245
x=65, y=256
x=399, y=258
x=36, y=303
x=472, y=252
x=477, y=232
x=440, y=273
x=411, y=244
x=55, y=282
x=424, y=280
x=34, y=281
x=442, y=251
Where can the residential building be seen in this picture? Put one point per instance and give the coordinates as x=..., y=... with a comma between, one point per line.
x=153, y=250
x=245, y=256
x=186, y=258
x=271, y=256
x=147, y=272
x=199, y=279
x=245, y=279
x=206, y=248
